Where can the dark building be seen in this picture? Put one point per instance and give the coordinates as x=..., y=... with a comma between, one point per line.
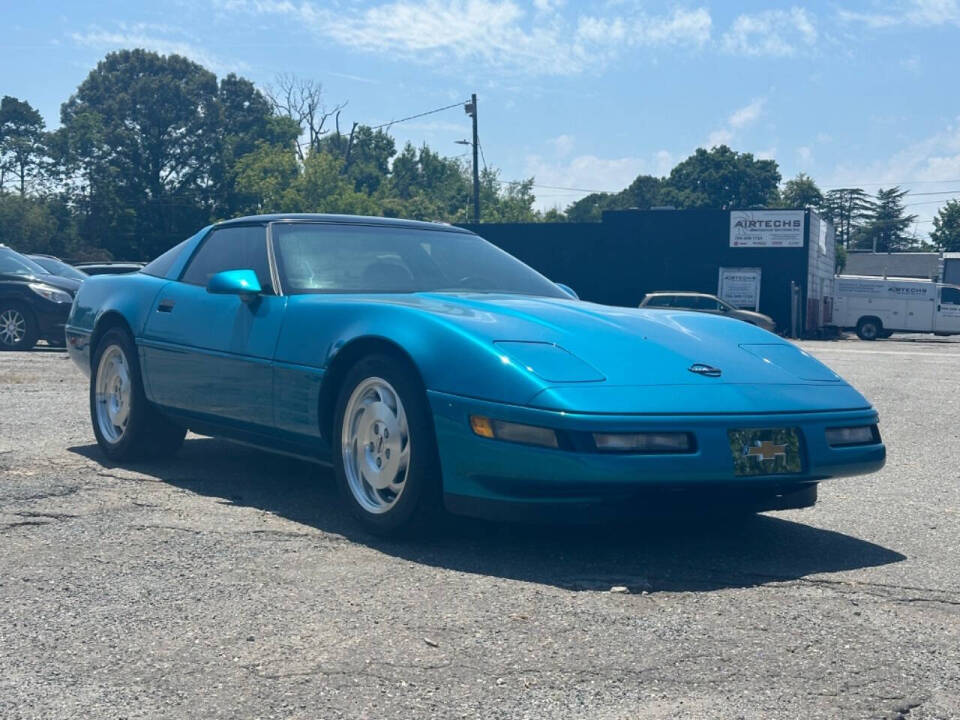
x=778, y=261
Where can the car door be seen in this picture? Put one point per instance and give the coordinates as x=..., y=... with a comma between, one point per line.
x=208, y=354
x=947, y=316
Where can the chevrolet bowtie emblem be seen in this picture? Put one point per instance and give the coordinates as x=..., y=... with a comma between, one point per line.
x=766, y=451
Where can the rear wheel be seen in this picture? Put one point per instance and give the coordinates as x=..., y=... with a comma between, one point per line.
x=18, y=327
x=126, y=425
x=869, y=328
x=385, y=453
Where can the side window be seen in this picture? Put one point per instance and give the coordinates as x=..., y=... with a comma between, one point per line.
x=231, y=248
x=950, y=296
x=161, y=265
x=659, y=301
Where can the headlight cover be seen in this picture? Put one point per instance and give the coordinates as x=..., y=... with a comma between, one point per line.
x=548, y=361
x=51, y=293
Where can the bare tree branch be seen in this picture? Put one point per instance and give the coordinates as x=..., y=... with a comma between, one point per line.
x=302, y=101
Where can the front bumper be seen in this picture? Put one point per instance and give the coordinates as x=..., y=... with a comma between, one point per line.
x=480, y=470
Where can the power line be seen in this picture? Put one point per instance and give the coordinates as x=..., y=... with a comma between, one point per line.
x=419, y=115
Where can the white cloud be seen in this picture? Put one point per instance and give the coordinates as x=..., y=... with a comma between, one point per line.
x=159, y=38
x=933, y=159
x=771, y=33
x=589, y=173
x=738, y=120
x=747, y=114
x=563, y=145
x=723, y=136
x=919, y=13
x=496, y=33
x=804, y=156
x=931, y=164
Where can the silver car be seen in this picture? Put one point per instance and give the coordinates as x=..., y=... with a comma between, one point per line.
x=702, y=302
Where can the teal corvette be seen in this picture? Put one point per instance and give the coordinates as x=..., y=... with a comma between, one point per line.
x=433, y=370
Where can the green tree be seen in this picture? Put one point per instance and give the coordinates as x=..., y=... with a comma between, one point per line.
x=946, y=227
x=22, y=147
x=245, y=122
x=801, y=192
x=366, y=155
x=848, y=209
x=722, y=179
x=264, y=179
x=38, y=225
x=886, y=227
x=148, y=161
x=505, y=202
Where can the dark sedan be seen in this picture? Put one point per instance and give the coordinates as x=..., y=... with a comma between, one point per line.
x=33, y=303
x=56, y=266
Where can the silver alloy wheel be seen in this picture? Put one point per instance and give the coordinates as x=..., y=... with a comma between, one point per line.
x=375, y=441
x=113, y=394
x=13, y=326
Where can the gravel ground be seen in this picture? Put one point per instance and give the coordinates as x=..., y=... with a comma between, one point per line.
x=227, y=583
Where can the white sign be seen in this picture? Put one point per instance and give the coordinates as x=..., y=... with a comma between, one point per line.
x=740, y=287
x=766, y=228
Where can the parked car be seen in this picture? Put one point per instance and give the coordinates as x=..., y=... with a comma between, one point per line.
x=879, y=307
x=702, y=302
x=110, y=267
x=56, y=266
x=432, y=369
x=33, y=303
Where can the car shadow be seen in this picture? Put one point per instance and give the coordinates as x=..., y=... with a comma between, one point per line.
x=674, y=554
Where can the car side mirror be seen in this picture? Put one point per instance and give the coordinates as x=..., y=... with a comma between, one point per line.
x=568, y=290
x=235, y=282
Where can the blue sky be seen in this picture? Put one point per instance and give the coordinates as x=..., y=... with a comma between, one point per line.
x=578, y=94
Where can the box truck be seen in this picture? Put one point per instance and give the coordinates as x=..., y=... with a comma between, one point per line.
x=878, y=307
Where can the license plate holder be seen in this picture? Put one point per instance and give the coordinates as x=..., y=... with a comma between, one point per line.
x=765, y=451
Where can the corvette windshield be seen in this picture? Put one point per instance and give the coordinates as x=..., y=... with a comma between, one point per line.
x=335, y=258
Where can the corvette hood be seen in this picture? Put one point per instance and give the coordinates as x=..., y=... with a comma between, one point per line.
x=597, y=358
x=627, y=346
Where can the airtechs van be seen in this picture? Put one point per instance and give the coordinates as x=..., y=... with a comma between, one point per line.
x=879, y=307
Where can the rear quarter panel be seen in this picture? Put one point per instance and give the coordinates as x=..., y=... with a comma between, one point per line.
x=128, y=296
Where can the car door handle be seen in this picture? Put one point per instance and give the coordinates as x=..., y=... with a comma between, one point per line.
x=165, y=306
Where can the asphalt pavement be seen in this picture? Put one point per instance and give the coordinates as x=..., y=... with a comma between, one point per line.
x=228, y=583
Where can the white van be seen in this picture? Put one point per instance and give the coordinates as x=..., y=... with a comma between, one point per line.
x=879, y=307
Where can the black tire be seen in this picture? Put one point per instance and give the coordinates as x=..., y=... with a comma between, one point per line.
x=869, y=328
x=417, y=506
x=147, y=432
x=21, y=317
x=886, y=334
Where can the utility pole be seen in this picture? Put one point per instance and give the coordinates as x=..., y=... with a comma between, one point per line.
x=471, y=109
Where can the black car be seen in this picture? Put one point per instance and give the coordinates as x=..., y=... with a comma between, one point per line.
x=56, y=266
x=111, y=267
x=33, y=303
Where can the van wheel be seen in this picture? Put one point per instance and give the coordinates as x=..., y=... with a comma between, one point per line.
x=869, y=328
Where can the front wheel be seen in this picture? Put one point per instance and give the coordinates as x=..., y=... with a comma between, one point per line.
x=125, y=424
x=385, y=454
x=18, y=327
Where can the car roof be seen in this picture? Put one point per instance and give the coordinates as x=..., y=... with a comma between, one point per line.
x=344, y=219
